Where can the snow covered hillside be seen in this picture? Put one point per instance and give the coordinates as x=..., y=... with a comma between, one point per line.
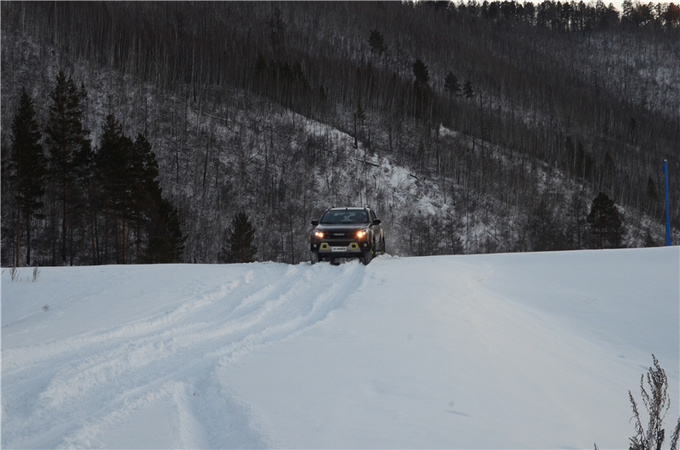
x=487, y=351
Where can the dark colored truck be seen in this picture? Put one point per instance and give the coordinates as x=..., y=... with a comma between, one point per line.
x=347, y=233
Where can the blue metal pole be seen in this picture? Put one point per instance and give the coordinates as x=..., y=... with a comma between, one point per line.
x=668, y=219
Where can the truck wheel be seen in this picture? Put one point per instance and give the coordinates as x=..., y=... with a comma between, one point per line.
x=366, y=257
x=314, y=257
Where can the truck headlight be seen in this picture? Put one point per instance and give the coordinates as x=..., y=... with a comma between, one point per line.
x=319, y=234
x=361, y=234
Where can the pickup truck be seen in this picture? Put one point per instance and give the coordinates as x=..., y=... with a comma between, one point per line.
x=347, y=232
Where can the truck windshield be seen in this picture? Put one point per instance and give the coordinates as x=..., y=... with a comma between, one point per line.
x=345, y=216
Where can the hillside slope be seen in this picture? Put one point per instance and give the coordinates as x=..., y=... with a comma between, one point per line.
x=488, y=351
x=281, y=109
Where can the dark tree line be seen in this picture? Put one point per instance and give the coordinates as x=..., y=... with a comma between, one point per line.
x=571, y=16
x=79, y=204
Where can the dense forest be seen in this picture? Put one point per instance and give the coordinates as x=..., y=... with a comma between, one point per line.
x=137, y=132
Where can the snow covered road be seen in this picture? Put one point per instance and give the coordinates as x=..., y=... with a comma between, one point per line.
x=504, y=351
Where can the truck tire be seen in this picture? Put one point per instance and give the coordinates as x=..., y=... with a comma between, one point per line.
x=366, y=257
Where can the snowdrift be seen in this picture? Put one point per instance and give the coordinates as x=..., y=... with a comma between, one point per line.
x=486, y=351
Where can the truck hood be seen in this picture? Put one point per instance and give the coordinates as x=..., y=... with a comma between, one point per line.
x=329, y=228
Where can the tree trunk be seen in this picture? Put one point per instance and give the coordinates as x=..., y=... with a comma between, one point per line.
x=28, y=240
x=93, y=228
x=124, y=238
x=16, y=263
x=63, y=224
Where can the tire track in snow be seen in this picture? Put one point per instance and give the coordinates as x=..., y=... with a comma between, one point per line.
x=98, y=359
x=15, y=359
x=122, y=369
x=321, y=292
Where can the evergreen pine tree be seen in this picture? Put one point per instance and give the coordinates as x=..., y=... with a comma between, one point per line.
x=136, y=212
x=65, y=137
x=89, y=186
x=422, y=73
x=451, y=85
x=166, y=241
x=377, y=42
x=544, y=231
x=605, y=223
x=422, y=90
x=652, y=196
x=468, y=91
x=30, y=165
x=114, y=167
x=240, y=240
x=152, y=219
x=146, y=190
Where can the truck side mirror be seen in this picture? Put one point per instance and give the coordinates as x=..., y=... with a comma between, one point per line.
x=376, y=222
x=315, y=222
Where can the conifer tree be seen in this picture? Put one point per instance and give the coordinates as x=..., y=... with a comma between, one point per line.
x=166, y=241
x=359, y=121
x=134, y=203
x=468, y=91
x=377, y=42
x=451, y=85
x=89, y=186
x=30, y=164
x=146, y=190
x=240, y=240
x=113, y=162
x=423, y=91
x=605, y=223
x=422, y=73
x=65, y=137
x=543, y=228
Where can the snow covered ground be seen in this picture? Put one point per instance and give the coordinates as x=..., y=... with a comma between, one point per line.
x=487, y=351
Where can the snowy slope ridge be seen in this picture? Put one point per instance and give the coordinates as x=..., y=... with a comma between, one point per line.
x=486, y=351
